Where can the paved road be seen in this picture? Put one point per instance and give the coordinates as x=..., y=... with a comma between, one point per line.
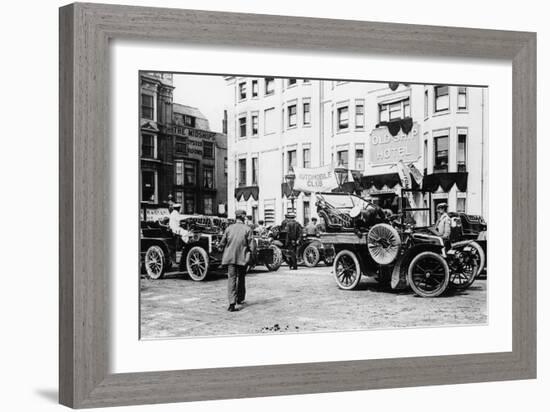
x=287, y=301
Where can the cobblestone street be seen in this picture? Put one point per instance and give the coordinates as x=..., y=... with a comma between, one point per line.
x=287, y=301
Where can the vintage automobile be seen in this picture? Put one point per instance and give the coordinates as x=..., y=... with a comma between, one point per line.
x=468, y=228
x=311, y=249
x=266, y=253
x=393, y=252
x=161, y=251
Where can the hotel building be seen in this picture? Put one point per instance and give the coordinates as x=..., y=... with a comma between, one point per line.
x=278, y=123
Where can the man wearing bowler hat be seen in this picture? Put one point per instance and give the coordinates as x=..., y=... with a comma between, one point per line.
x=237, y=243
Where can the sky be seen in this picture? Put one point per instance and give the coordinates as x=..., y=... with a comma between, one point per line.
x=203, y=92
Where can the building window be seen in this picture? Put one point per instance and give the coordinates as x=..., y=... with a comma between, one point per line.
x=441, y=98
x=269, y=211
x=208, y=205
x=306, y=153
x=426, y=103
x=254, y=88
x=359, y=116
x=342, y=157
x=147, y=107
x=208, y=150
x=441, y=154
x=148, y=186
x=307, y=212
x=462, y=98
x=395, y=110
x=461, y=153
x=242, y=90
x=208, y=178
x=190, y=173
x=189, y=121
x=255, y=171
x=306, y=81
x=291, y=82
x=181, y=148
x=359, y=159
x=269, y=85
x=179, y=172
x=149, y=146
x=242, y=126
x=343, y=118
x=189, y=203
x=242, y=172
x=425, y=156
x=461, y=204
x=269, y=120
x=307, y=113
x=255, y=125
x=179, y=197
x=292, y=115
x=291, y=159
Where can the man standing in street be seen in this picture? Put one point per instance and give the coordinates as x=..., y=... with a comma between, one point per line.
x=238, y=244
x=294, y=233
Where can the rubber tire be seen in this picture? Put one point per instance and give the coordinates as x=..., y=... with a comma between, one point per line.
x=273, y=267
x=471, y=279
x=347, y=254
x=316, y=259
x=160, y=252
x=421, y=292
x=380, y=254
x=480, y=251
x=204, y=257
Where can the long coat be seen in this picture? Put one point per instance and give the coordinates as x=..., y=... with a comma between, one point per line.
x=236, y=241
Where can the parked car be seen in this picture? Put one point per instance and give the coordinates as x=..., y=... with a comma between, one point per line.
x=467, y=228
x=310, y=252
x=162, y=251
x=394, y=253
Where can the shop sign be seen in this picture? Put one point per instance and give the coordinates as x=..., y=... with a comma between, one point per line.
x=154, y=215
x=317, y=179
x=385, y=148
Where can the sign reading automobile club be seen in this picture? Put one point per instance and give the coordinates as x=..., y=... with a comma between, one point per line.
x=385, y=148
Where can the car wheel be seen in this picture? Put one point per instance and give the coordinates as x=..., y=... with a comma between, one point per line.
x=428, y=274
x=464, y=267
x=311, y=256
x=477, y=251
x=347, y=270
x=155, y=262
x=384, y=243
x=197, y=263
x=277, y=259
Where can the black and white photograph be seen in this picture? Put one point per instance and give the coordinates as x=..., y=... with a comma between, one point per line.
x=295, y=205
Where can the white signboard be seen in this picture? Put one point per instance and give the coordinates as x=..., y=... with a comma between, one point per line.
x=385, y=148
x=405, y=176
x=318, y=179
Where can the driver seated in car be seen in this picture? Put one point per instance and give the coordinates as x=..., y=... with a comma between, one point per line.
x=443, y=224
x=174, y=223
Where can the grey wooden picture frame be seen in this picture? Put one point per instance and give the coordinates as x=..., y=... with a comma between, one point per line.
x=85, y=32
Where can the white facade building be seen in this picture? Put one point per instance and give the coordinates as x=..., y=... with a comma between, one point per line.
x=275, y=123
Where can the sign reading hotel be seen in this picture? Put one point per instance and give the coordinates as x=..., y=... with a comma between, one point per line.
x=385, y=148
x=317, y=179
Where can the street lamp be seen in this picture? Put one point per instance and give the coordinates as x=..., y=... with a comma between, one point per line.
x=290, y=177
x=341, y=175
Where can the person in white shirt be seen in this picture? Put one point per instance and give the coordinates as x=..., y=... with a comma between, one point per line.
x=174, y=223
x=443, y=224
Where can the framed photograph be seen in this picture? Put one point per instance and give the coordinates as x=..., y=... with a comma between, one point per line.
x=257, y=205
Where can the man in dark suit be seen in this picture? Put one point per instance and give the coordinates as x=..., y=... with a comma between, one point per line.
x=293, y=236
x=238, y=244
